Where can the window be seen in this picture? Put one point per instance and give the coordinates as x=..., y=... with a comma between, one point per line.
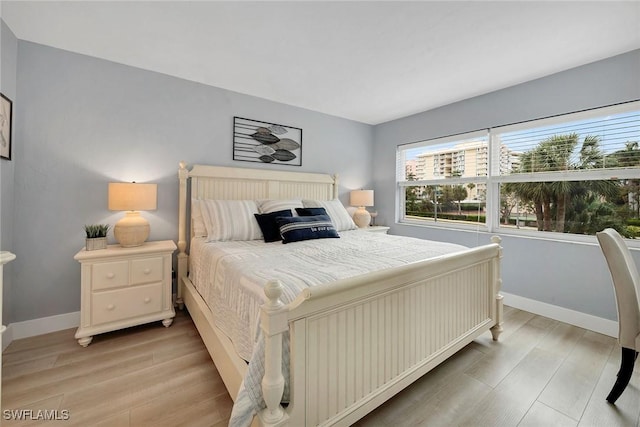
x=576, y=173
x=445, y=180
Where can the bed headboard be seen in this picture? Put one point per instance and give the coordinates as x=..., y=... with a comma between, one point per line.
x=220, y=182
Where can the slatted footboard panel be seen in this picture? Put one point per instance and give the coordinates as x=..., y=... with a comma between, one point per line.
x=372, y=348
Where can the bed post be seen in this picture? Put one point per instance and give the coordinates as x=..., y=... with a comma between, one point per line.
x=273, y=322
x=335, y=186
x=497, y=329
x=183, y=174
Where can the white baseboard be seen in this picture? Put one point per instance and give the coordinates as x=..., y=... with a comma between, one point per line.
x=43, y=325
x=572, y=317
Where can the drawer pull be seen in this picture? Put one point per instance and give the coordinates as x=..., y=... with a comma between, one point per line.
x=147, y=300
x=110, y=307
x=147, y=271
x=111, y=275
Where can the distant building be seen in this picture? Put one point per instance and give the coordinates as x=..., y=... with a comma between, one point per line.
x=467, y=159
x=410, y=168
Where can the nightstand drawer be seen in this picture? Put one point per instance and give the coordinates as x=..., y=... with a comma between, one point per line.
x=146, y=270
x=106, y=275
x=109, y=306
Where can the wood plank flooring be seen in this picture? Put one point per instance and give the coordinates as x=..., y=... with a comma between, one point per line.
x=541, y=373
x=142, y=376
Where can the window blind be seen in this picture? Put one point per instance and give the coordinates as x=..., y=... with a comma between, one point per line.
x=605, y=139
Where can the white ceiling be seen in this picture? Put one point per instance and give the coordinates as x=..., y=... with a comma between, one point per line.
x=369, y=61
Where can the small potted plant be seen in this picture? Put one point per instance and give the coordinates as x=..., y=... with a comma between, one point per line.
x=96, y=236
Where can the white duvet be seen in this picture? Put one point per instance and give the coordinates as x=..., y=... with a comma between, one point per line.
x=231, y=276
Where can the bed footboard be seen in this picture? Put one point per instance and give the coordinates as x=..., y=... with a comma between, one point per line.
x=358, y=342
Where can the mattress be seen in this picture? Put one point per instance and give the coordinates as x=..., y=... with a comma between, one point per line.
x=231, y=276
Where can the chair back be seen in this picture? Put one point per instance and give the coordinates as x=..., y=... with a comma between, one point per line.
x=626, y=285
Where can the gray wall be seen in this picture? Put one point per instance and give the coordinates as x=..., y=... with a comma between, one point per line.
x=83, y=122
x=569, y=275
x=8, y=65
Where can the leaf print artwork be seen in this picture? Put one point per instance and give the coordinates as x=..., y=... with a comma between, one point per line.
x=264, y=142
x=284, y=155
x=277, y=130
x=264, y=149
x=286, y=144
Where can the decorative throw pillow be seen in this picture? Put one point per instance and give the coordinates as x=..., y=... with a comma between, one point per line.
x=197, y=222
x=337, y=212
x=269, y=205
x=300, y=228
x=311, y=211
x=230, y=219
x=269, y=226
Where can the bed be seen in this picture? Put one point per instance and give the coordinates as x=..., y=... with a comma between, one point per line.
x=341, y=348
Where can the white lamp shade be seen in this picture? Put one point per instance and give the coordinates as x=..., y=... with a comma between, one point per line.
x=130, y=196
x=133, y=229
x=361, y=198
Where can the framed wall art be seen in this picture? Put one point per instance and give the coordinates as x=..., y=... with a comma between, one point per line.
x=264, y=142
x=6, y=113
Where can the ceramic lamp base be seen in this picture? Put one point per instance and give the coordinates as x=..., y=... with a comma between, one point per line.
x=132, y=230
x=361, y=217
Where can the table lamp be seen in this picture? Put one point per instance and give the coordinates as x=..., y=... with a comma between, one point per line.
x=361, y=198
x=133, y=229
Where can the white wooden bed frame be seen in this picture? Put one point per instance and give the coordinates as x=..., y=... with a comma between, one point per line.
x=354, y=343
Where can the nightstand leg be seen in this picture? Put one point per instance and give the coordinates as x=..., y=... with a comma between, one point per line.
x=167, y=322
x=85, y=341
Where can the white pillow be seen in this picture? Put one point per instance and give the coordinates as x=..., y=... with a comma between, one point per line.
x=335, y=209
x=230, y=219
x=197, y=221
x=269, y=205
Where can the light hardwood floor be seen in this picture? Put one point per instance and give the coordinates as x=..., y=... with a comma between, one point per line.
x=541, y=373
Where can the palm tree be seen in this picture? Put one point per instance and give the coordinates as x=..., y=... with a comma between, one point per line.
x=630, y=157
x=555, y=154
x=459, y=193
x=531, y=192
x=410, y=195
x=471, y=186
x=556, y=151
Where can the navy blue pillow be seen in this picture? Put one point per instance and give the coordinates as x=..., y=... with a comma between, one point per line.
x=298, y=228
x=311, y=211
x=267, y=222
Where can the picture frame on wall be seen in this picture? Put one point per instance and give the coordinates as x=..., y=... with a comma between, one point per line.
x=6, y=116
x=264, y=142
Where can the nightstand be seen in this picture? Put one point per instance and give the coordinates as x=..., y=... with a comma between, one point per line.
x=122, y=287
x=376, y=229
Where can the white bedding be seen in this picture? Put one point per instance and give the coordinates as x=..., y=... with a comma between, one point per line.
x=231, y=275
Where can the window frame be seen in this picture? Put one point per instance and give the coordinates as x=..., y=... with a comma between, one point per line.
x=493, y=179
